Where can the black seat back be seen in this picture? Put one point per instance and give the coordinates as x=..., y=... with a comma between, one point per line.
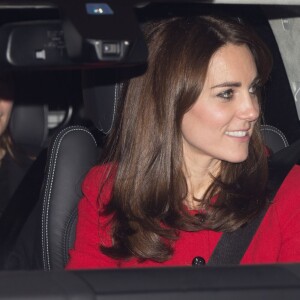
x=72, y=153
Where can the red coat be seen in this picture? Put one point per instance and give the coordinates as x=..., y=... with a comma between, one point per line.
x=276, y=240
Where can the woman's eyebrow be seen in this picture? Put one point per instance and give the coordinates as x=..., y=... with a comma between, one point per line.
x=227, y=84
x=234, y=84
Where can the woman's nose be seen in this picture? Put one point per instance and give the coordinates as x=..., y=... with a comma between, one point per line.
x=249, y=108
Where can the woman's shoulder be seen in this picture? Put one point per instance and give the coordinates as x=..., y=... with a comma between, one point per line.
x=287, y=199
x=290, y=185
x=99, y=173
x=99, y=181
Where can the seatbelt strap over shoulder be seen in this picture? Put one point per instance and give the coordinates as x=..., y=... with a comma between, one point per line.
x=232, y=246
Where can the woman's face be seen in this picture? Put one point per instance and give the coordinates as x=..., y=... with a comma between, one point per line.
x=5, y=111
x=220, y=123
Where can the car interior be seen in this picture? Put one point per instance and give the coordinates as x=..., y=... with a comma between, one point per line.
x=69, y=60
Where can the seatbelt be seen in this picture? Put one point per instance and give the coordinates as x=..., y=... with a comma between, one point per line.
x=233, y=245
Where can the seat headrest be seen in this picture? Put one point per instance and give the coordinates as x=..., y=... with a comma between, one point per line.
x=100, y=104
x=273, y=138
x=102, y=91
x=29, y=125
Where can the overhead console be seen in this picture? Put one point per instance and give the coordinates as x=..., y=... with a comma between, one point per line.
x=84, y=33
x=87, y=34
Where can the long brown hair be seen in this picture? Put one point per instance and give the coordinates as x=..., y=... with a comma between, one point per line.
x=149, y=189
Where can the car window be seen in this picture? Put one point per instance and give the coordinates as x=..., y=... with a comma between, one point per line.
x=57, y=83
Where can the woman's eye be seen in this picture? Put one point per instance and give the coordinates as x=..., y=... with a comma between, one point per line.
x=228, y=94
x=254, y=89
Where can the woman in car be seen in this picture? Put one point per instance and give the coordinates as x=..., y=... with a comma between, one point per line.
x=14, y=162
x=185, y=161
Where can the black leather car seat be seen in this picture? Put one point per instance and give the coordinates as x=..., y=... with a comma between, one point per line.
x=65, y=171
x=49, y=231
x=72, y=153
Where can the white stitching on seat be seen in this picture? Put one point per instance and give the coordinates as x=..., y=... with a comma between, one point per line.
x=277, y=131
x=116, y=98
x=66, y=237
x=46, y=204
x=43, y=211
x=46, y=256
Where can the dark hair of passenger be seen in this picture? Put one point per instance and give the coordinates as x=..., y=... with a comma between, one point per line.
x=147, y=204
x=6, y=143
x=7, y=92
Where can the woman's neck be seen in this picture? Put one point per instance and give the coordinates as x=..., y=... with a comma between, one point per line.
x=199, y=177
